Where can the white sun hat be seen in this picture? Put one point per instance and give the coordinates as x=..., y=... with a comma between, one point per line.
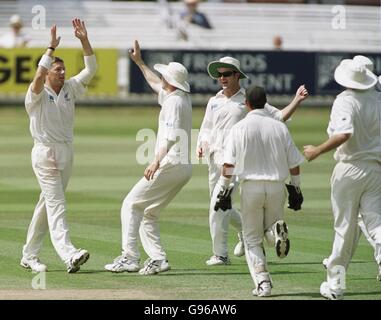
x=175, y=74
x=353, y=75
x=15, y=20
x=365, y=61
x=225, y=62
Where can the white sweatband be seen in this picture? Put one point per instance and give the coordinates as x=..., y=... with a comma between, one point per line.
x=88, y=73
x=224, y=182
x=45, y=62
x=295, y=180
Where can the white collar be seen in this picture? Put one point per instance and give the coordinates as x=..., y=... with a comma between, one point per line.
x=220, y=93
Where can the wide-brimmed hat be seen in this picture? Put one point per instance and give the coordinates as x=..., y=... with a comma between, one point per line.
x=225, y=62
x=365, y=61
x=175, y=74
x=15, y=20
x=353, y=75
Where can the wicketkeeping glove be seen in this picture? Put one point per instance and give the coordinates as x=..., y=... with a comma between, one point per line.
x=295, y=197
x=224, y=200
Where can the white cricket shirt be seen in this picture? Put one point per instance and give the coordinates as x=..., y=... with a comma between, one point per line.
x=11, y=40
x=220, y=116
x=52, y=116
x=175, y=125
x=261, y=148
x=358, y=113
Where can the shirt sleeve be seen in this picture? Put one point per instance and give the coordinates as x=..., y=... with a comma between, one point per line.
x=294, y=157
x=77, y=87
x=274, y=112
x=341, y=119
x=32, y=99
x=85, y=76
x=206, y=126
x=172, y=120
x=230, y=151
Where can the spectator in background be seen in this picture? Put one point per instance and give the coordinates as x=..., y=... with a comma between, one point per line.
x=191, y=15
x=15, y=38
x=277, y=42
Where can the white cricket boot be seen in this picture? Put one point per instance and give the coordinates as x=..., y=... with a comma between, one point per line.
x=330, y=294
x=282, y=243
x=239, y=249
x=78, y=259
x=122, y=264
x=218, y=261
x=152, y=267
x=34, y=264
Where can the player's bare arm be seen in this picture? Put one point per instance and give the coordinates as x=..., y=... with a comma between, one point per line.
x=81, y=33
x=312, y=152
x=152, y=79
x=87, y=74
x=44, y=65
x=301, y=94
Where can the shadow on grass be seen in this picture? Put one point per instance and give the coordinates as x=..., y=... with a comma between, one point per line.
x=310, y=263
x=78, y=272
x=302, y=294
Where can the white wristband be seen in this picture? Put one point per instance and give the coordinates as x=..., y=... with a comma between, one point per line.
x=224, y=182
x=45, y=62
x=295, y=180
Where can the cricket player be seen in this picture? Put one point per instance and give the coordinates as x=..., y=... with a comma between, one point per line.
x=50, y=103
x=261, y=153
x=355, y=131
x=224, y=110
x=164, y=177
x=367, y=63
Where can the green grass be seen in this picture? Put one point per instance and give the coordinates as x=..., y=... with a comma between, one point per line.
x=105, y=169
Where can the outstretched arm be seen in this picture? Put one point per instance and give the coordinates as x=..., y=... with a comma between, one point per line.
x=301, y=94
x=88, y=73
x=152, y=79
x=45, y=62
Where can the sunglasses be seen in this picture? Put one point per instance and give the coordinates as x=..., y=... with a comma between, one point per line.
x=225, y=74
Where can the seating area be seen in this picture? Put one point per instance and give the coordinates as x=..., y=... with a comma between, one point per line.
x=249, y=26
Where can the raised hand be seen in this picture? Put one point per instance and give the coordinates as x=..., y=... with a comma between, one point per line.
x=54, y=41
x=301, y=93
x=79, y=29
x=135, y=54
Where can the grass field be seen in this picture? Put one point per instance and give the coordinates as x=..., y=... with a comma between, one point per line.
x=105, y=169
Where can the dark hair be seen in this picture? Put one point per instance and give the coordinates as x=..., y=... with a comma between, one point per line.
x=256, y=97
x=57, y=59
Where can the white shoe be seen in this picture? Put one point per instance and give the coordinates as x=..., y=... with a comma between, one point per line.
x=218, y=261
x=154, y=267
x=327, y=293
x=34, y=264
x=264, y=290
x=239, y=249
x=325, y=263
x=78, y=259
x=121, y=264
x=282, y=243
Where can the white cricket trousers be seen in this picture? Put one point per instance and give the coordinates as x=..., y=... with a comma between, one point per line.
x=52, y=165
x=219, y=220
x=141, y=209
x=376, y=247
x=355, y=189
x=262, y=204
